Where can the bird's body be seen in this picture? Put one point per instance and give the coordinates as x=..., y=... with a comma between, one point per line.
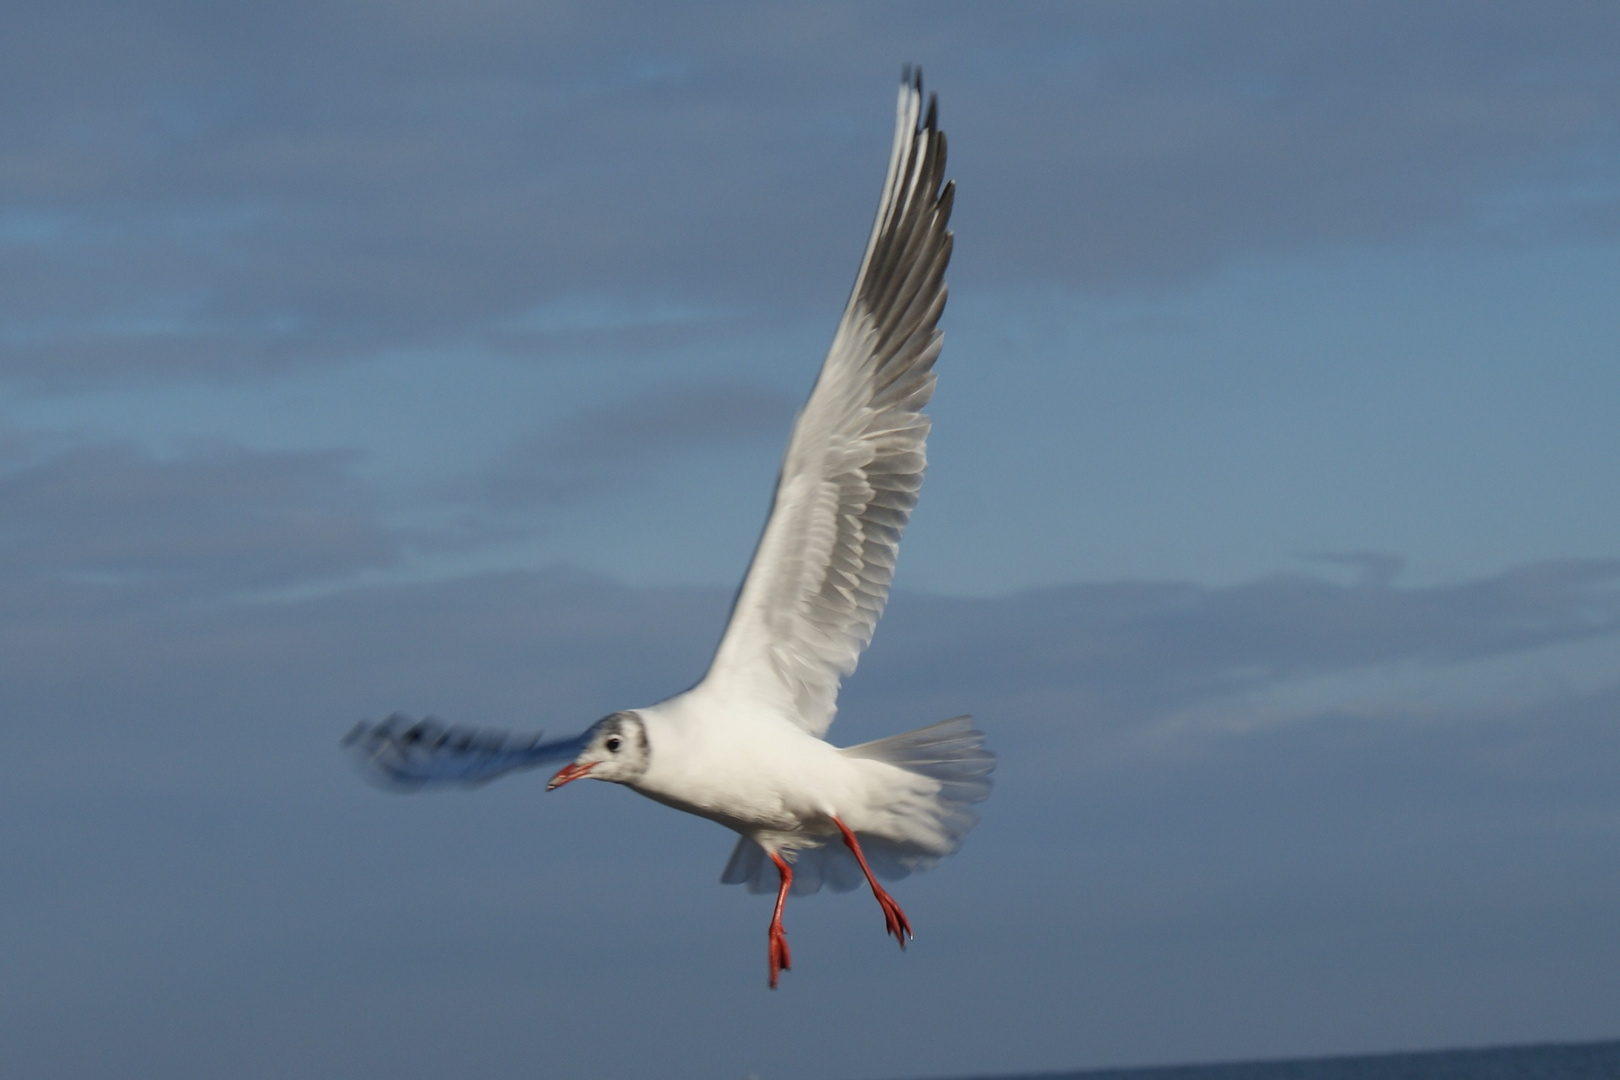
x=756, y=774
x=781, y=787
x=744, y=747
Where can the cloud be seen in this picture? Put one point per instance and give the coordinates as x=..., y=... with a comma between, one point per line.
x=608, y=446
x=587, y=324
x=1112, y=656
x=1374, y=567
x=210, y=518
x=184, y=195
x=1217, y=133
x=213, y=518
x=192, y=855
x=107, y=531
x=1091, y=661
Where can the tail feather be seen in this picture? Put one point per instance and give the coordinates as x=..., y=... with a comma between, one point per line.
x=831, y=865
x=951, y=753
x=744, y=866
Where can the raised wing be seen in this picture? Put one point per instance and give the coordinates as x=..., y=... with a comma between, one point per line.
x=405, y=754
x=849, y=480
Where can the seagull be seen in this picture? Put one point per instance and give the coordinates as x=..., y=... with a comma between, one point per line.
x=745, y=746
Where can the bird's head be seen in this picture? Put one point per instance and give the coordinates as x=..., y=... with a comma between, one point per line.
x=615, y=749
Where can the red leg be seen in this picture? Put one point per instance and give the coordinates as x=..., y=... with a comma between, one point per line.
x=781, y=958
x=894, y=919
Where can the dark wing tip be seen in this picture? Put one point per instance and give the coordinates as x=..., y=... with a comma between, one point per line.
x=402, y=754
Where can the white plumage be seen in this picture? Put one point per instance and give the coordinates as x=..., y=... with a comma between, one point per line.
x=743, y=747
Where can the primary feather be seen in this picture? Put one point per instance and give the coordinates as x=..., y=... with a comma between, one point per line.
x=820, y=576
x=407, y=754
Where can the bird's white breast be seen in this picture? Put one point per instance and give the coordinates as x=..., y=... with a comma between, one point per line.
x=749, y=771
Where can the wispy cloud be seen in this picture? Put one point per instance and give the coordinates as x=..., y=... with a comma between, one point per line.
x=606, y=447
x=373, y=182
x=210, y=518
x=1111, y=657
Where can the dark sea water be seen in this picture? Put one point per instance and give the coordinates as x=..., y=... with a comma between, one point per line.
x=1561, y=1061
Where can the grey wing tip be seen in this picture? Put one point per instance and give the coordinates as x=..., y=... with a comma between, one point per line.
x=911, y=78
x=403, y=754
x=376, y=732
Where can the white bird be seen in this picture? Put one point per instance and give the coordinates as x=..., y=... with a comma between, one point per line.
x=744, y=746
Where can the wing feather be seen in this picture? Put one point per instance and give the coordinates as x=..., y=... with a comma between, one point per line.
x=821, y=574
x=404, y=754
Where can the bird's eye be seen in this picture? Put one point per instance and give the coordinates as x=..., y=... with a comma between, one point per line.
x=612, y=745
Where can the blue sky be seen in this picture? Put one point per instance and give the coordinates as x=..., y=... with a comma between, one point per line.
x=368, y=357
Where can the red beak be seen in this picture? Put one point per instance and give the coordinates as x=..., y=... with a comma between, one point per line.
x=570, y=772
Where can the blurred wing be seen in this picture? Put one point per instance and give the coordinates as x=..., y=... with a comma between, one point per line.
x=849, y=480
x=404, y=755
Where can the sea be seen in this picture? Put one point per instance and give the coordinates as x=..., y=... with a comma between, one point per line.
x=1551, y=1061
